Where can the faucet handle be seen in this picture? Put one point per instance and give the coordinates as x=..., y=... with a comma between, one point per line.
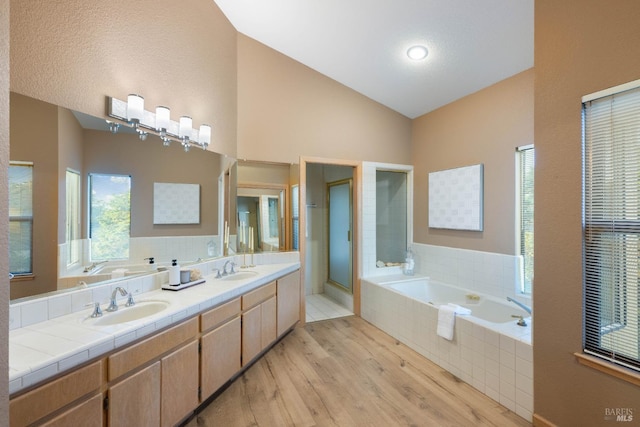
x=218, y=275
x=97, y=312
x=521, y=321
x=130, y=300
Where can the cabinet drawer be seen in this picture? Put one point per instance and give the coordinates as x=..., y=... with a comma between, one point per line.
x=145, y=351
x=52, y=396
x=219, y=315
x=257, y=296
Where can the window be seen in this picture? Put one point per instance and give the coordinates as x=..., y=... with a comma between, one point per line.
x=526, y=163
x=109, y=216
x=21, y=218
x=73, y=217
x=611, y=224
x=295, y=218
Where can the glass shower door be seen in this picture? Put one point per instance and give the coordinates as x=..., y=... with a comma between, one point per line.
x=340, y=233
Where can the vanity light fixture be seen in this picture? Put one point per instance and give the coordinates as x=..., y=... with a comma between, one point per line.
x=186, y=127
x=135, y=113
x=204, y=136
x=131, y=113
x=163, y=117
x=417, y=52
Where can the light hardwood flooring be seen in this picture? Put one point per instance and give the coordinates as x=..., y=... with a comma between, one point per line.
x=345, y=372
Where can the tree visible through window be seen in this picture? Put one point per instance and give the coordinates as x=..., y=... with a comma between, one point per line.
x=526, y=163
x=110, y=216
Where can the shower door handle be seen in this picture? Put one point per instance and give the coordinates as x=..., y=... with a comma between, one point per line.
x=348, y=235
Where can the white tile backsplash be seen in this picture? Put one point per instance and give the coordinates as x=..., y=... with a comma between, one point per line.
x=29, y=312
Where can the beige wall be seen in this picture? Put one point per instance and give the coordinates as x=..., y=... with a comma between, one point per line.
x=148, y=162
x=38, y=144
x=4, y=213
x=581, y=46
x=75, y=53
x=286, y=110
x=485, y=127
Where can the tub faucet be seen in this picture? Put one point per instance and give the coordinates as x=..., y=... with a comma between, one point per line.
x=519, y=304
x=91, y=267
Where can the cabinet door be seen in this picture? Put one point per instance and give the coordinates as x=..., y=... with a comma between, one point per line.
x=288, y=301
x=220, y=356
x=135, y=401
x=251, y=334
x=86, y=414
x=179, y=384
x=268, y=322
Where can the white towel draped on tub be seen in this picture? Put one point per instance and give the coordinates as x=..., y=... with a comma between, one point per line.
x=447, y=319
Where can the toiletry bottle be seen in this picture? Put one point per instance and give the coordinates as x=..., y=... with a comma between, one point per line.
x=409, y=263
x=174, y=273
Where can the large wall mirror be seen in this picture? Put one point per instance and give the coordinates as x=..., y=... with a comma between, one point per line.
x=82, y=198
x=267, y=206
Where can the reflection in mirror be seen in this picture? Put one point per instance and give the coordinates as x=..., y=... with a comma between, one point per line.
x=266, y=210
x=65, y=149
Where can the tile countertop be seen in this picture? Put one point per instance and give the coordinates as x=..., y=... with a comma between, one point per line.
x=45, y=349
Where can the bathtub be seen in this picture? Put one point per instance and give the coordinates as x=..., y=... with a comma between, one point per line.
x=484, y=308
x=489, y=350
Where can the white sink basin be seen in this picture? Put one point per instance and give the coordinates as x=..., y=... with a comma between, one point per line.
x=243, y=275
x=141, y=310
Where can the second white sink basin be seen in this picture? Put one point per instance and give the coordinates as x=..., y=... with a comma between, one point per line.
x=141, y=310
x=243, y=275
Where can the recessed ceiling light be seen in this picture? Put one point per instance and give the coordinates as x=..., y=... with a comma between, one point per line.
x=417, y=53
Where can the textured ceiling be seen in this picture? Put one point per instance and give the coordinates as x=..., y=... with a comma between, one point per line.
x=362, y=43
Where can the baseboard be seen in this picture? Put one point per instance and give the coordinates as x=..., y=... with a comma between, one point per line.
x=540, y=421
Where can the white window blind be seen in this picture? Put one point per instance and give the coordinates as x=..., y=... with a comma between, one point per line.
x=611, y=225
x=526, y=166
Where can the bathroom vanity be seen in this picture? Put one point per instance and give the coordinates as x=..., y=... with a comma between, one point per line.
x=161, y=378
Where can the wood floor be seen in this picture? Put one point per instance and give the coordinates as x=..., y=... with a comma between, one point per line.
x=345, y=372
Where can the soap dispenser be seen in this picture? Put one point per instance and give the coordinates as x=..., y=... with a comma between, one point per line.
x=409, y=263
x=174, y=273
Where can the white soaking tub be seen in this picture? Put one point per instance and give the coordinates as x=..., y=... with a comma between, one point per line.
x=488, y=350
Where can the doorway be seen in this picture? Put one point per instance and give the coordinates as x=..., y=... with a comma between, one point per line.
x=329, y=262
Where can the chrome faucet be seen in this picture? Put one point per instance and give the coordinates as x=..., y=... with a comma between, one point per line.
x=224, y=269
x=519, y=304
x=113, y=306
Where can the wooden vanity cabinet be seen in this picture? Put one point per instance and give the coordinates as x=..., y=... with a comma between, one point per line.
x=77, y=395
x=220, y=346
x=258, y=321
x=155, y=382
x=288, y=293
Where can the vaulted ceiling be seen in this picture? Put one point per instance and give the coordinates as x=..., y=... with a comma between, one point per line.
x=362, y=44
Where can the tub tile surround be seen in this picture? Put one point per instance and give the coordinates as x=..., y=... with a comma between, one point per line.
x=47, y=334
x=495, y=359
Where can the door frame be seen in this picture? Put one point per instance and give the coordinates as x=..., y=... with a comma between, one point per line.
x=357, y=232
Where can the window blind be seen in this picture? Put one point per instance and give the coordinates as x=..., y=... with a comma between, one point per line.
x=611, y=226
x=526, y=158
